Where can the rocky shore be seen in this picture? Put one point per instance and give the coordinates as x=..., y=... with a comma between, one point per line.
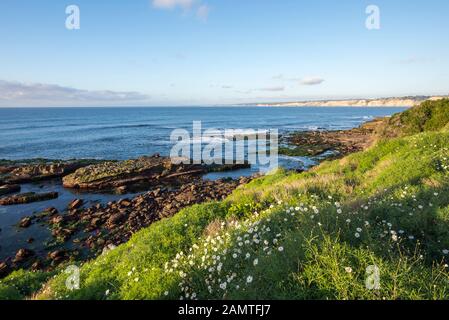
x=84, y=231
x=337, y=143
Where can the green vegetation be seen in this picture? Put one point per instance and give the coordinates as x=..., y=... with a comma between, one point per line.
x=429, y=116
x=22, y=284
x=321, y=234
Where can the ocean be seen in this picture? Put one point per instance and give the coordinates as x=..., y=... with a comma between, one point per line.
x=124, y=133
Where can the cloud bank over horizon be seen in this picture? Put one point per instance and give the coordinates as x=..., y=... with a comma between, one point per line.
x=38, y=94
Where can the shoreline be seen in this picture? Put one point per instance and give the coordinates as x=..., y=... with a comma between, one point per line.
x=84, y=230
x=146, y=190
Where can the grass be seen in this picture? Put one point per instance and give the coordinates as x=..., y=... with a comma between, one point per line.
x=323, y=234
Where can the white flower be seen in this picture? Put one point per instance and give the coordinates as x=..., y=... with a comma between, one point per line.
x=357, y=235
x=223, y=286
x=249, y=279
x=394, y=237
x=359, y=229
x=166, y=293
x=280, y=249
x=348, y=269
x=445, y=251
x=256, y=262
x=107, y=292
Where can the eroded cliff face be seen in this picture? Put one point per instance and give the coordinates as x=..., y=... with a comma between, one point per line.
x=384, y=102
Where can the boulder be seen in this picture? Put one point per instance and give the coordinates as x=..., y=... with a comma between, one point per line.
x=25, y=222
x=75, y=204
x=22, y=255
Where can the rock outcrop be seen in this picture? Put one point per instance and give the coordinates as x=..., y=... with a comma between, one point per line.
x=27, y=198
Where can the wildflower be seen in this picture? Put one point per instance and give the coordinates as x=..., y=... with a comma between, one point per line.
x=359, y=229
x=166, y=293
x=249, y=279
x=348, y=220
x=339, y=211
x=281, y=249
x=256, y=262
x=445, y=251
x=107, y=292
x=357, y=235
x=394, y=237
x=223, y=286
x=348, y=269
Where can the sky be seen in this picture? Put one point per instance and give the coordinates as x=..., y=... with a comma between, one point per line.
x=209, y=52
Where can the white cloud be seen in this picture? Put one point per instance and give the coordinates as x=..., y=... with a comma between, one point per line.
x=196, y=6
x=311, y=81
x=273, y=89
x=171, y=4
x=307, y=81
x=34, y=94
x=203, y=12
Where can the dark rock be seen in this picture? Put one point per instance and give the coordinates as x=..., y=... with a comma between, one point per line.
x=28, y=198
x=75, y=204
x=57, y=219
x=25, y=222
x=22, y=255
x=42, y=170
x=36, y=266
x=4, y=269
x=115, y=219
x=57, y=256
x=9, y=188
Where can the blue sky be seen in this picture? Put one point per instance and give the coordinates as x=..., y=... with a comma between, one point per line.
x=196, y=52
